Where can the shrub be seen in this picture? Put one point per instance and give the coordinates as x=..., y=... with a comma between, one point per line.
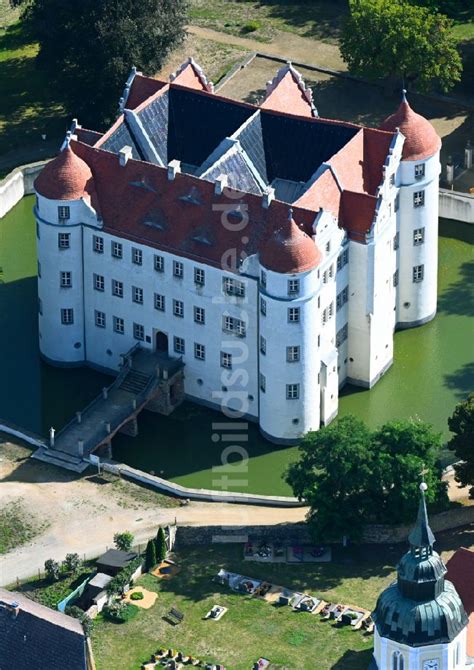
x=124, y=541
x=137, y=595
x=120, y=612
x=251, y=27
x=150, y=555
x=161, y=548
x=77, y=613
x=72, y=562
x=124, y=577
x=52, y=569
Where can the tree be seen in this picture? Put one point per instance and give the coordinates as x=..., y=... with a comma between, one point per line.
x=461, y=423
x=124, y=541
x=402, y=42
x=77, y=613
x=52, y=569
x=350, y=476
x=87, y=53
x=71, y=562
x=161, y=548
x=150, y=555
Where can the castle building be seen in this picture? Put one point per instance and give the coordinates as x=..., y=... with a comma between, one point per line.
x=273, y=250
x=420, y=620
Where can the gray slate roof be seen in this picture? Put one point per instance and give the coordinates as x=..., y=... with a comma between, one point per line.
x=38, y=637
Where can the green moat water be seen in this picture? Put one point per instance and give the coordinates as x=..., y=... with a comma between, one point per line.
x=433, y=369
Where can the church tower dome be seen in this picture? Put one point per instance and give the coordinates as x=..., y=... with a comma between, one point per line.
x=66, y=177
x=421, y=139
x=421, y=610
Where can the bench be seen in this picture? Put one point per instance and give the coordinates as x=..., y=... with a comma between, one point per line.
x=175, y=615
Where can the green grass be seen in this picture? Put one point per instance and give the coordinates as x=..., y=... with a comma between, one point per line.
x=321, y=20
x=252, y=627
x=16, y=526
x=49, y=593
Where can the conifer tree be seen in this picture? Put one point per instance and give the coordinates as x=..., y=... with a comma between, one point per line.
x=150, y=555
x=161, y=548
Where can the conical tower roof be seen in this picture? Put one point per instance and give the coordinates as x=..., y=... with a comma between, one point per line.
x=66, y=177
x=289, y=249
x=421, y=536
x=421, y=139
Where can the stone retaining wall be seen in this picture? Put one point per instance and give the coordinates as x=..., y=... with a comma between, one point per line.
x=17, y=184
x=297, y=533
x=456, y=205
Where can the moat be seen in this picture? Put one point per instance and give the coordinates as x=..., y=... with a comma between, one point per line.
x=433, y=369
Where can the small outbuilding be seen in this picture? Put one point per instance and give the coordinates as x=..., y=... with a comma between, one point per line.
x=114, y=560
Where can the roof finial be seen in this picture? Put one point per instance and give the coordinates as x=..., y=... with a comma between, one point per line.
x=404, y=95
x=290, y=213
x=421, y=536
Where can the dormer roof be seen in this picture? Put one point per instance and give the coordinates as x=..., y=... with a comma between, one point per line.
x=287, y=92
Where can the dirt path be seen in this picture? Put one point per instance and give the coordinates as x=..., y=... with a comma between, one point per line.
x=82, y=515
x=286, y=45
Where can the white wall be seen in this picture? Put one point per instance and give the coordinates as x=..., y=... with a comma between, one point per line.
x=457, y=206
x=415, y=656
x=17, y=184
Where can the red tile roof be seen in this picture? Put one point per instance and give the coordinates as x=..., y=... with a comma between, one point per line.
x=141, y=89
x=289, y=249
x=357, y=214
x=421, y=139
x=181, y=216
x=324, y=193
x=191, y=75
x=288, y=96
x=461, y=574
x=66, y=177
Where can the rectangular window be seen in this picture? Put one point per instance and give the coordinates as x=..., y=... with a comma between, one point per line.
x=178, y=308
x=199, y=315
x=292, y=354
x=418, y=273
x=341, y=336
x=178, y=269
x=395, y=278
x=292, y=391
x=263, y=345
x=418, y=236
x=99, y=282
x=137, y=295
x=117, y=250
x=331, y=270
x=64, y=240
x=226, y=360
x=325, y=277
x=178, y=345
x=119, y=325
x=263, y=383
x=418, y=199
x=100, y=319
x=137, y=256
x=293, y=314
x=67, y=316
x=419, y=171
x=293, y=286
x=159, y=262
x=98, y=244
x=64, y=213
x=232, y=286
x=396, y=241
x=117, y=288
x=232, y=325
x=392, y=179
x=199, y=276
x=263, y=307
x=331, y=310
x=396, y=204
x=324, y=316
x=263, y=278
x=328, y=246
x=342, y=298
x=199, y=351
x=65, y=280
x=159, y=302
x=138, y=331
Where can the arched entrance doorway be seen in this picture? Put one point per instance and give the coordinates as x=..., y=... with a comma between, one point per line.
x=161, y=341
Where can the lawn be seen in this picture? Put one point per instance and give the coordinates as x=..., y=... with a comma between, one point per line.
x=16, y=526
x=260, y=19
x=251, y=628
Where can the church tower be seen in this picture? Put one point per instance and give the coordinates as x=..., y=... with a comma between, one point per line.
x=420, y=621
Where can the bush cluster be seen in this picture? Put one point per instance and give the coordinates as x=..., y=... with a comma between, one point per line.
x=120, y=612
x=121, y=579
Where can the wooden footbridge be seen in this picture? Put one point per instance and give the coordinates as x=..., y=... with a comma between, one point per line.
x=147, y=380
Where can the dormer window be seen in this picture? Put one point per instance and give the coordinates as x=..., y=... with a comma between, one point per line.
x=64, y=213
x=419, y=171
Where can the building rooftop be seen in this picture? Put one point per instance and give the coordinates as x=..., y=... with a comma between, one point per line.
x=116, y=558
x=34, y=636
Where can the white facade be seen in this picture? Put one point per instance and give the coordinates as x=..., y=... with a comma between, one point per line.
x=278, y=348
x=390, y=655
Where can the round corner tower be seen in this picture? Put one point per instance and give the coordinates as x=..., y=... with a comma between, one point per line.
x=417, y=216
x=289, y=358
x=62, y=205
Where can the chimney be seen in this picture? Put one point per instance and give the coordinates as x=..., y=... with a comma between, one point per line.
x=125, y=154
x=268, y=196
x=220, y=184
x=174, y=167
